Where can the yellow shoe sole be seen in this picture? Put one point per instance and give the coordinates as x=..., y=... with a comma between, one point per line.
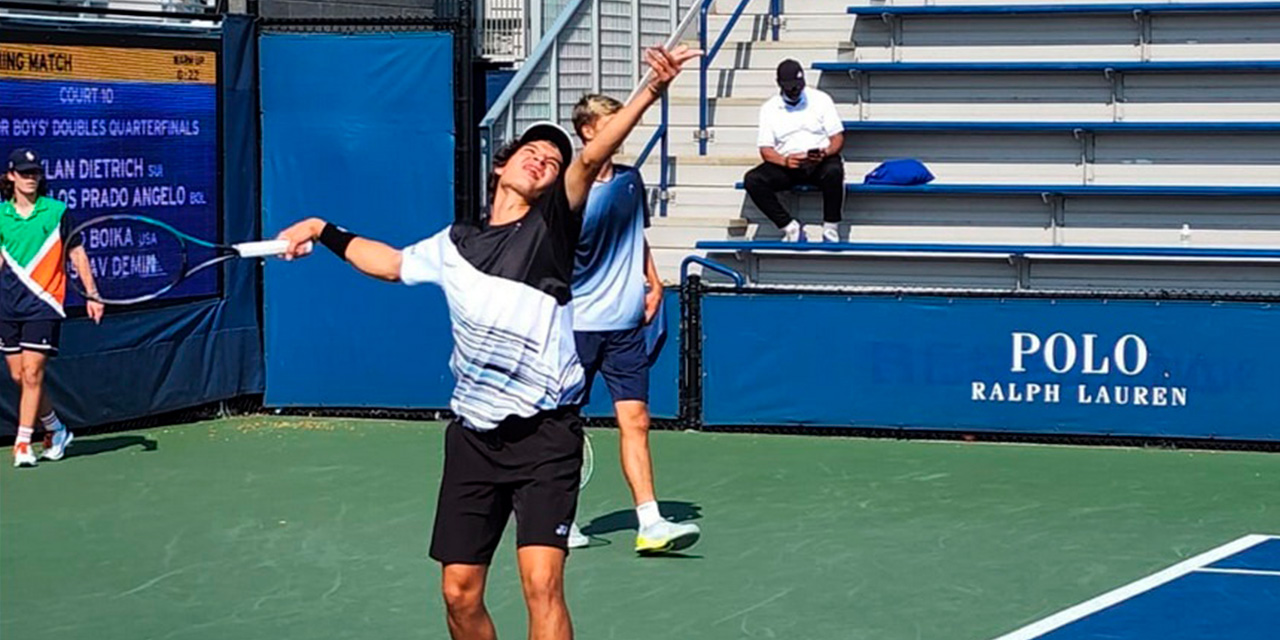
x=646, y=547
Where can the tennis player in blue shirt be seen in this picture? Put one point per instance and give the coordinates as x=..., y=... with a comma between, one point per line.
x=616, y=292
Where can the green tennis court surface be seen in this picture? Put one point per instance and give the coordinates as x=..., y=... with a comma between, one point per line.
x=271, y=528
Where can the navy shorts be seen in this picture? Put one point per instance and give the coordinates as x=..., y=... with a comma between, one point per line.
x=17, y=336
x=621, y=356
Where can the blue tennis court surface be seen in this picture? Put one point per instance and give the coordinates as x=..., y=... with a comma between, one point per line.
x=1232, y=591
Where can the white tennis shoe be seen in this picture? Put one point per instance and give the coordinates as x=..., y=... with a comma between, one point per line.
x=22, y=456
x=794, y=233
x=665, y=536
x=56, y=445
x=577, y=540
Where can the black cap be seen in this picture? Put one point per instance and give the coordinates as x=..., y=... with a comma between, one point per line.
x=553, y=133
x=790, y=75
x=24, y=160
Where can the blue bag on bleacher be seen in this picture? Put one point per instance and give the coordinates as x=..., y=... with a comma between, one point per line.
x=903, y=171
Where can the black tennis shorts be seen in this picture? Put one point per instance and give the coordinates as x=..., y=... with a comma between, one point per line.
x=527, y=465
x=17, y=336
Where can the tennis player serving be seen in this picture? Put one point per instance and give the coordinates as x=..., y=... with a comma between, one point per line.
x=516, y=444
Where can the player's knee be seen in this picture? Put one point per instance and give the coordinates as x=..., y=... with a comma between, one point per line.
x=543, y=587
x=32, y=375
x=15, y=374
x=633, y=417
x=462, y=597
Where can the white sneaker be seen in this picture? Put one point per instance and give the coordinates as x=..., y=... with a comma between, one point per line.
x=795, y=234
x=56, y=445
x=22, y=456
x=830, y=235
x=576, y=538
x=665, y=536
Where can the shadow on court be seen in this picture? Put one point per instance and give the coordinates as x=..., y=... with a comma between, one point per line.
x=625, y=519
x=108, y=444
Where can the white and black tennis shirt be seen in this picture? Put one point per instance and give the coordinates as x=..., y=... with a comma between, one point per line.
x=509, y=289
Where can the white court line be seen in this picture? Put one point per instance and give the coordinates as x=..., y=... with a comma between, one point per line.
x=1241, y=572
x=1088, y=607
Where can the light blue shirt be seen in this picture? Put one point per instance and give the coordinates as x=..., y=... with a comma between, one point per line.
x=608, y=273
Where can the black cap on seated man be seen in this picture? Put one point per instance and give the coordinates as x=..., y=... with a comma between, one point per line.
x=800, y=138
x=791, y=81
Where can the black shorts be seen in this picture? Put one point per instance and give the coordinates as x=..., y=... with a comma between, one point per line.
x=527, y=465
x=17, y=336
x=623, y=358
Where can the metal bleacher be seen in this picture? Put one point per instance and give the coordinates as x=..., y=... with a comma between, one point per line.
x=956, y=268
x=1084, y=147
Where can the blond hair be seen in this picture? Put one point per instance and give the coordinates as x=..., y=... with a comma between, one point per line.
x=591, y=107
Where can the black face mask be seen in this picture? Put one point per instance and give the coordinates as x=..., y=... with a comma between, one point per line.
x=792, y=97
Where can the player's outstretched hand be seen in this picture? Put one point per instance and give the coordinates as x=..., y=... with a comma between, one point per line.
x=666, y=65
x=301, y=237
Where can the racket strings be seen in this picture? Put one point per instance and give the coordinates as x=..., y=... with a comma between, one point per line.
x=588, y=461
x=133, y=259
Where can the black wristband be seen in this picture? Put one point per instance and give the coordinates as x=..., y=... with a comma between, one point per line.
x=336, y=239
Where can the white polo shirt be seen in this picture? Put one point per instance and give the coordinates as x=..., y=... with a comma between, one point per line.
x=808, y=125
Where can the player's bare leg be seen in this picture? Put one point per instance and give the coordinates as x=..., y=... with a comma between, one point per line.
x=637, y=466
x=29, y=374
x=542, y=577
x=656, y=535
x=33, y=365
x=463, y=587
x=14, y=361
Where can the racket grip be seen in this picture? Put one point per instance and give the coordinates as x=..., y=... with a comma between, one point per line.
x=262, y=249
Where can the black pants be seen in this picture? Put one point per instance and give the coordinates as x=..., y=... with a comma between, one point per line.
x=764, y=182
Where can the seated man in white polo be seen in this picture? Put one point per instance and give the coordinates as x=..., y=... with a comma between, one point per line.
x=800, y=139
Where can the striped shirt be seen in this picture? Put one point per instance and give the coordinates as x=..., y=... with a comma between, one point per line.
x=510, y=304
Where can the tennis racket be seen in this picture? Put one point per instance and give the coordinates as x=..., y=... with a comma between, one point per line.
x=134, y=259
x=588, y=461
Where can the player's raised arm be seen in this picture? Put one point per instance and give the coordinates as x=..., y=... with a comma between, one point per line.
x=582, y=172
x=369, y=257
